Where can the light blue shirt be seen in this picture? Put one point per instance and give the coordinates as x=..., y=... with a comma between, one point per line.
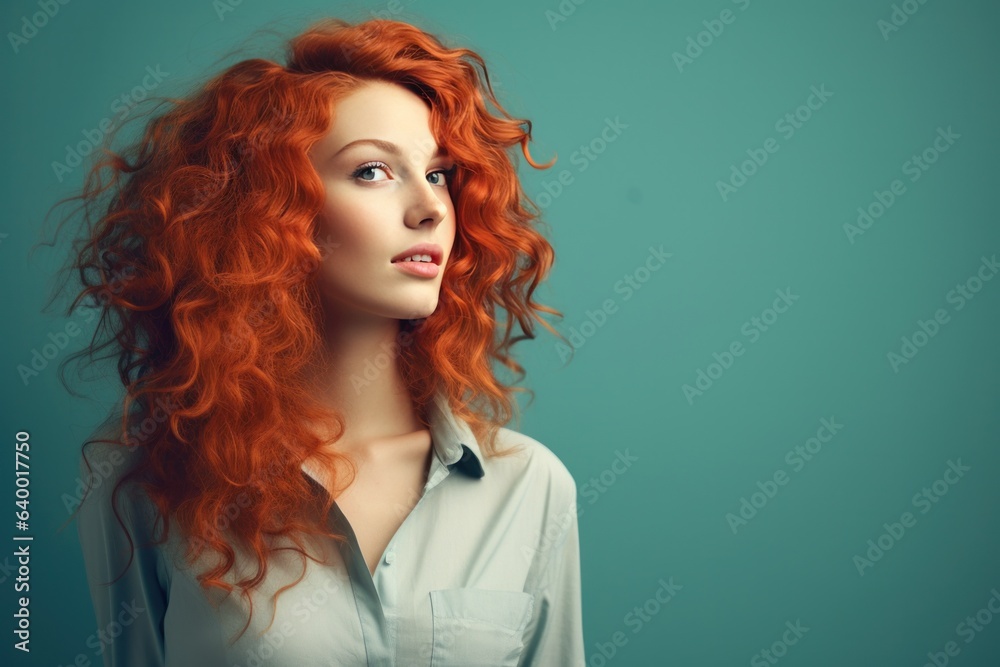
x=484, y=570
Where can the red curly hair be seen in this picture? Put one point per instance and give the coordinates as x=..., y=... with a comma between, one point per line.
x=201, y=262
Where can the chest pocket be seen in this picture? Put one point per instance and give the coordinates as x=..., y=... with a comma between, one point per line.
x=475, y=627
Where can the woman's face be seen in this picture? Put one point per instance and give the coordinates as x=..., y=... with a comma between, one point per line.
x=382, y=199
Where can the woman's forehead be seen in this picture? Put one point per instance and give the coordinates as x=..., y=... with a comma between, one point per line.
x=383, y=116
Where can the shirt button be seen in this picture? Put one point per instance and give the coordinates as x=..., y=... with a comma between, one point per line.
x=389, y=557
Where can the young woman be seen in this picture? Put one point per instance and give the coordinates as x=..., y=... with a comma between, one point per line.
x=299, y=269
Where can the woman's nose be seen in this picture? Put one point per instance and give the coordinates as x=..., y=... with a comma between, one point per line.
x=428, y=205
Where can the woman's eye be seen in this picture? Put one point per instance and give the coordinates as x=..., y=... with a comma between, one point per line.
x=362, y=173
x=364, y=169
x=443, y=174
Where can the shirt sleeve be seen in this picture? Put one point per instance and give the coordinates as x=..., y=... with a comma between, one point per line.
x=555, y=634
x=129, y=611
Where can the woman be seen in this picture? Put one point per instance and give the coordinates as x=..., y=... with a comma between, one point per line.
x=299, y=273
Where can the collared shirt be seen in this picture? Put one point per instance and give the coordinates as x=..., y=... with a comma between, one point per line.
x=484, y=570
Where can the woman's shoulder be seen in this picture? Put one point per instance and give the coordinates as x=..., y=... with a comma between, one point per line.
x=533, y=459
x=538, y=483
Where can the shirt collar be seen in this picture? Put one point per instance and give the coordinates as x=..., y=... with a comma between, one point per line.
x=453, y=440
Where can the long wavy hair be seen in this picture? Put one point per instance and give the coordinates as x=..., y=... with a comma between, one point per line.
x=200, y=262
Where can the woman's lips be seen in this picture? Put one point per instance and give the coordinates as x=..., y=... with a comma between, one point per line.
x=419, y=269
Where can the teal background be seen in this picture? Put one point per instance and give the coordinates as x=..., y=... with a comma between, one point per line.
x=696, y=458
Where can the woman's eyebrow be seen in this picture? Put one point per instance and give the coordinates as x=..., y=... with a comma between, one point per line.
x=387, y=146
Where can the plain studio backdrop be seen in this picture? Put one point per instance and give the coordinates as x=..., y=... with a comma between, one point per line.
x=777, y=255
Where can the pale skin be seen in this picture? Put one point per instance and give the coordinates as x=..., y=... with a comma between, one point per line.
x=371, y=216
